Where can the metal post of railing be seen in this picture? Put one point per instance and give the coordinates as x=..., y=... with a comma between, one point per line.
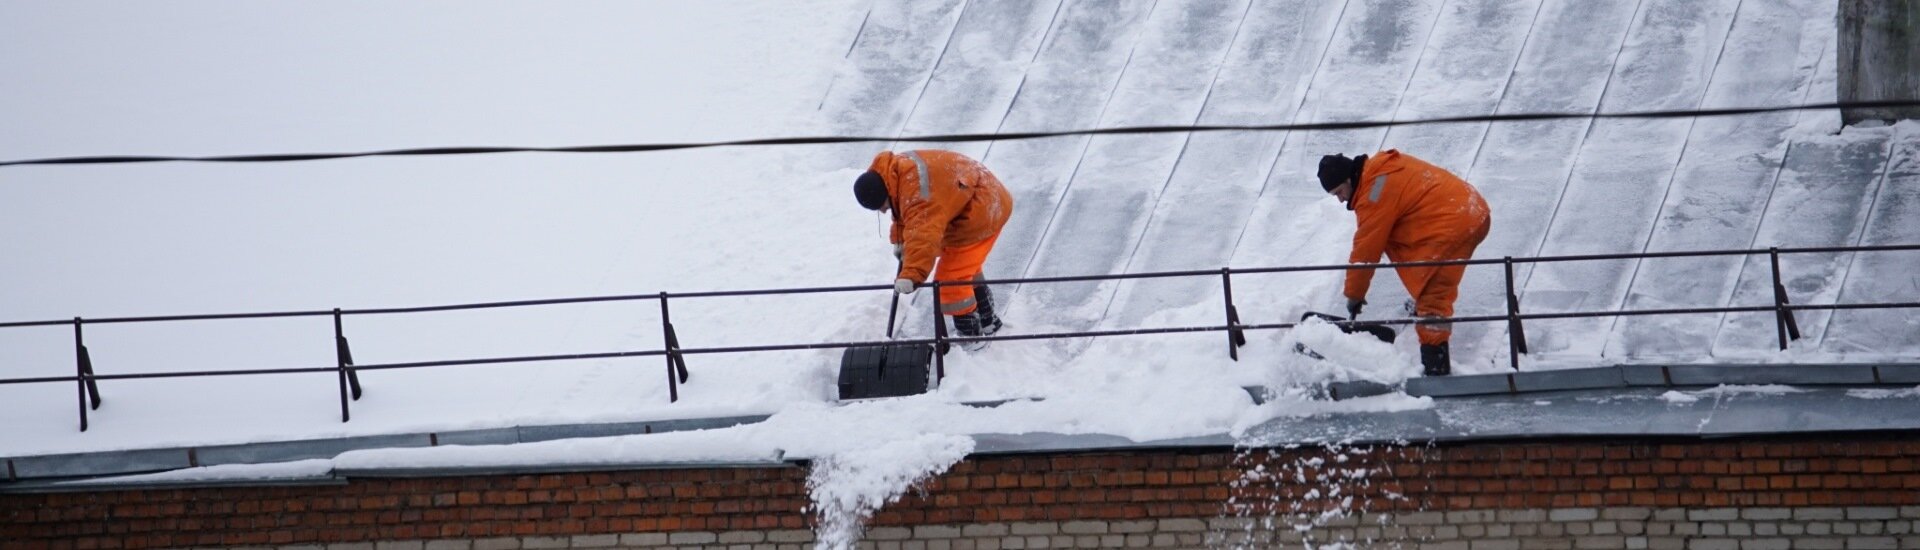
x=676, y=363
x=1235, y=336
x=89, y=389
x=1782, y=317
x=1516, y=332
x=940, y=345
x=342, y=356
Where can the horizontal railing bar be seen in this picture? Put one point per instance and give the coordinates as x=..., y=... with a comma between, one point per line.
x=951, y=339
x=858, y=288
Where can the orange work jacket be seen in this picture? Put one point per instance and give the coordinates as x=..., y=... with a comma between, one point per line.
x=1410, y=210
x=940, y=199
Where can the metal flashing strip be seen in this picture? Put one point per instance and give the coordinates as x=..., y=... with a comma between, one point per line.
x=1465, y=400
x=44, y=486
x=286, y=451
x=452, y=471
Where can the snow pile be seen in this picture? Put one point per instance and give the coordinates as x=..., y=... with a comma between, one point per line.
x=298, y=469
x=847, y=488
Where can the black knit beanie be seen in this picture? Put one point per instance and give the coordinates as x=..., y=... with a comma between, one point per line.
x=870, y=190
x=1334, y=170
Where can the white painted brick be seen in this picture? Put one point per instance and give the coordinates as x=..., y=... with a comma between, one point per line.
x=1445, y=545
x=1873, y=527
x=357, y=545
x=1713, y=544
x=1846, y=528
x=984, y=530
x=1766, y=544
x=693, y=537
x=1165, y=540
x=1819, y=528
x=1740, y=529
x=449, y=545
x=409, y=545
x=1669, y=514
x=1546, y=543
x=1872, y=543
x=935, y=531
x=1626, y=513
x=875, y=545
x=1498, y=530
x=1872, y=512
x=790, y=535
x=1573, y=514
x=510, y=543
x=1600, y=542
x=1819, y=543
x=1636, y=543
x=1793, y=529
x=1606, y=528
x=1899, y=527
x=1666, y=543
x=1579, y=528
x=1713, y=514
x=1139, y=541
x=1128, y=527
x=1084, y=527
x=1470, y=516
x=1445, y=532
x=1036, y=528
x=1520, y=516
x=1013, y=543
x=1766, y=513
x=940, y=544
x=532, y=543
x=1039, y=541
x=1113, y=541
x=1493, y=544
x=1713, y=529
x=1087, y=541
x=594, y=541
x=987, y=544
x=739, y=537
x=1420, y=518
x=1804, y=514
x=1909, y=543
x=1182, y=525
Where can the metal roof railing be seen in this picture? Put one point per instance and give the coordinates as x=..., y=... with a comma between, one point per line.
x=86, y=380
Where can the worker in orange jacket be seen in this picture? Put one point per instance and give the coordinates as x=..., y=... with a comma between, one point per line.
x=944, y=206
x=1414, y=212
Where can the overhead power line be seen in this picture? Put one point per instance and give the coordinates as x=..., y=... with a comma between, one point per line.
x=820, y=140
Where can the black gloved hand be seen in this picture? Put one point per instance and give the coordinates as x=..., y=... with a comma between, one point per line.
x=1353, y=308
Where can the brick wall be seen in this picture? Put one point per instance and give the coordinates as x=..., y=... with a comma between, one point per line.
x=1644, y=494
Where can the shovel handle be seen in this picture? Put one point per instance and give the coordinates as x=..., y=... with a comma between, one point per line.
x=893, y=312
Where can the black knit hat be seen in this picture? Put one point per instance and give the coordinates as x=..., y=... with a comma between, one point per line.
x=1335, y=170
x=870, y=190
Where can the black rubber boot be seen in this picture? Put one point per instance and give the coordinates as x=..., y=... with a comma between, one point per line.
x=1436, y=360
x=989, y=322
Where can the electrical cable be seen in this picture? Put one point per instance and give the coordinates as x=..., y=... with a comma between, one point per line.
x=950, y=138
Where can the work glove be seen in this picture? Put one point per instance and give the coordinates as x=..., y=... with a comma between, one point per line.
x=1353, y=307
x=903, y=286
x=898, y=249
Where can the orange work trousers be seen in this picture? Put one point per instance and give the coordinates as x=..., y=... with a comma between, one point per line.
x=1434, y=288
x=959, y=265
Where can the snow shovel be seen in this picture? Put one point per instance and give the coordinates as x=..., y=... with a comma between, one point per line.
x=890, y=370
x=1377, y=330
